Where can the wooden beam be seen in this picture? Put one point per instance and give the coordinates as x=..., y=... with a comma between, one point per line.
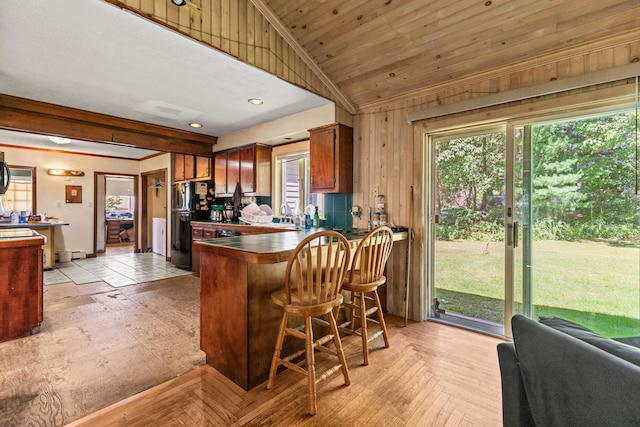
x=26, y=115
x=302, y=53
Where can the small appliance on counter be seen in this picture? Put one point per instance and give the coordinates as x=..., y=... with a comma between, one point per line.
x=217, y=213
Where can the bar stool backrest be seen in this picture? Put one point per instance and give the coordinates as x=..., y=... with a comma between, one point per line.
x=317, y=268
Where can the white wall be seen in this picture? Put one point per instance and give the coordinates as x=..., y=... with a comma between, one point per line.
x=294, y=127
x=78, y=235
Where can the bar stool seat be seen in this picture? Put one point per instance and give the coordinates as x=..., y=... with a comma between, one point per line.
x=314, y=276
x=363, y=281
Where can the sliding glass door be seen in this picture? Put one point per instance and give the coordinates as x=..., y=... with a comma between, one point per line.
x=539, y=219
x=579, y=211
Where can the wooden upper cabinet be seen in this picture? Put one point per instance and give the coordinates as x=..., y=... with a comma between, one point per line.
x=189, y=167
x=331, y=159
x=203, y=167
x=247, y=169
x=220, y=173
x=178, y=167
x=233, y=170
x=250, y=166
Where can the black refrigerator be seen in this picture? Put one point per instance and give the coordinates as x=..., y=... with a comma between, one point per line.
x=184, y=203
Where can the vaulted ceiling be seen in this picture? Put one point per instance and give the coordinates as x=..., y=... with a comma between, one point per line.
x=360, y=53
x=379, y=49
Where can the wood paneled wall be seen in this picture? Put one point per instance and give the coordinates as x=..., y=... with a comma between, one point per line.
x=388, y=150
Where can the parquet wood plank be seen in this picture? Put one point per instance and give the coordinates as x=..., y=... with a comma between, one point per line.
x=432, y=375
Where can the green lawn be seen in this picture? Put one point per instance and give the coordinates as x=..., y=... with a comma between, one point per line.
x=593, y=283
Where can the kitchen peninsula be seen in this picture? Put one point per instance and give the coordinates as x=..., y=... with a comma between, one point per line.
x=46, y=229
x=238, y=321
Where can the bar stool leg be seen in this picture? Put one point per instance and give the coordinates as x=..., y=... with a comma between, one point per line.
x=311, y=368
x=336, y=339
x=276, y=352
x=363, y=328
x=383, y=324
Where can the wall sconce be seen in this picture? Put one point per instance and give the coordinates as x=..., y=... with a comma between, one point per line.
x=64, y=172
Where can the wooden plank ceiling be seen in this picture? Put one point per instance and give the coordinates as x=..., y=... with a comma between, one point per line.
x=379, y=49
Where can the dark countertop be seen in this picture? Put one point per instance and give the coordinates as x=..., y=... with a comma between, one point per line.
x=269, y=248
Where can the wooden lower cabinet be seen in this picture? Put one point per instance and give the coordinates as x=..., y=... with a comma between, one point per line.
x=199, y=233
x=20, y=287
x=211, y=230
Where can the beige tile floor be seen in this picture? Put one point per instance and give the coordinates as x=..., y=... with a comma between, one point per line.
x=117, y=270
x=101, y=342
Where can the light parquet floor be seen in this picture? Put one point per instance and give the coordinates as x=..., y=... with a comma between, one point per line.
x=432, y=375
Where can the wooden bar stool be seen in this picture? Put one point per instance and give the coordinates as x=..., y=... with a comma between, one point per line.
x=315, y=272
x=363, y=280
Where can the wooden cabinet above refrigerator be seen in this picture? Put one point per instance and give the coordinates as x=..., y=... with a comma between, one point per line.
x=187, y=167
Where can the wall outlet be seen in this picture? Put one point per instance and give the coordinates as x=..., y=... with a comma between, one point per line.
x=376, y=191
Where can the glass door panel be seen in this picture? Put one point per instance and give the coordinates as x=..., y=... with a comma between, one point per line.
x=469, y=210
x=577, y=193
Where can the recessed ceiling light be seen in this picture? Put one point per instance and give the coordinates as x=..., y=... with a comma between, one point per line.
x=59, y=140
x=256, y=101
x=195, y=125
x=179, y=2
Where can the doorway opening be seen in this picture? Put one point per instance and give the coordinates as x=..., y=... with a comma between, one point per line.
x=153, y=217
x=116, y=213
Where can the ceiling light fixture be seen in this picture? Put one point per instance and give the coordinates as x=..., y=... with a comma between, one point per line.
x=195, y=125
x=59, y=140
x=256, y=101
x=181, y=3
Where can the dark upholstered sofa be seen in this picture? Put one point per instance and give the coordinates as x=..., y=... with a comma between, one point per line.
x=558, y=373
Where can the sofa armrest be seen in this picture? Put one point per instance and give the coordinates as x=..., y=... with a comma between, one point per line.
x=515, y=409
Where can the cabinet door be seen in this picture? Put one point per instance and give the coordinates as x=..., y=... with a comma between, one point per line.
x=178, y=167
x=189, y=166
x=247, y=170
x=322, y=166
x=203, y=167
x=220, y=173
x=233, y=170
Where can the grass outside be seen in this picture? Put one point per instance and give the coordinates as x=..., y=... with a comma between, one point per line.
x=595, y=284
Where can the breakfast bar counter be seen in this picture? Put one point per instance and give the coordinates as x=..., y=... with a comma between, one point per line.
x=238, y=321
x=46, y=229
